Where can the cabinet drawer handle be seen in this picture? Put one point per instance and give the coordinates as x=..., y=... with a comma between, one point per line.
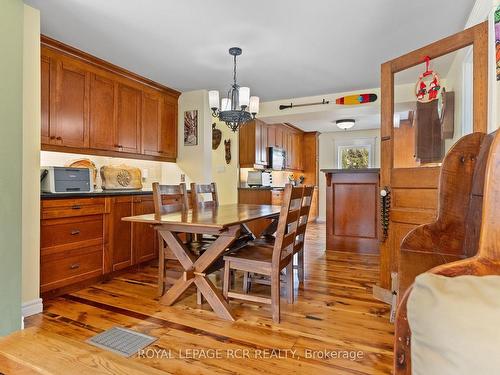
x=53, y=137
x=75, y=232
x=74, y=266
x=59, y=138
x=76, y=207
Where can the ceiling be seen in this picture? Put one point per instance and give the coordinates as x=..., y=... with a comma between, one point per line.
x=290, y=49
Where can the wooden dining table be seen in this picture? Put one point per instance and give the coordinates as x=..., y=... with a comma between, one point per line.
x=226, y=222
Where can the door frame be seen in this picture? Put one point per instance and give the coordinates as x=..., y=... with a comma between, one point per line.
x=476, y=36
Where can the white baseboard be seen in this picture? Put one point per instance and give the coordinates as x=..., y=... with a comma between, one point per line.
x=32, y=307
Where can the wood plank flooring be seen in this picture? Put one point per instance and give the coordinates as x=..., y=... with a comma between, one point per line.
x=334, y=315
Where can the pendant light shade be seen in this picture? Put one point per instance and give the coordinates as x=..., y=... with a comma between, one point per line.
x=254, y=105
x=244, y=95
x=213, y=99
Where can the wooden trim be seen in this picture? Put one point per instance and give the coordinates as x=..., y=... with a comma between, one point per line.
x=74, y=52
x=97, y=152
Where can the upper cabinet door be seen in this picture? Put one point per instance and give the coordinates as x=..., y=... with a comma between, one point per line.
x=102, y=113
x=71, y=105
x=168, y=128
x=128, y=125
x=151, y=115
x=48, y=136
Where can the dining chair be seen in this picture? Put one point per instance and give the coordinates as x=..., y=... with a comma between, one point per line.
x=167, y=199
x=269, y=261
x=268, y=240
x=199, y=193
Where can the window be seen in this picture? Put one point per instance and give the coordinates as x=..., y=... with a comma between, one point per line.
x=354, y=156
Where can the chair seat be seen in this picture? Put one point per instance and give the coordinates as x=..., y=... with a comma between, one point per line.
x=252, y=253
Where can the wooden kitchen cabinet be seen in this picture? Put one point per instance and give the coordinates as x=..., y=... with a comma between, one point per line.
x=102, y=118
x=70, y=116
x=145, y=240
x=46, y=69
x=128, y=122
x=85, y=238
x=253, y=144
x=92, y=107
x=120, y=232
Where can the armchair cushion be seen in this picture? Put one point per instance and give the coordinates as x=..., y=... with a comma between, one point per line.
x=455, y=325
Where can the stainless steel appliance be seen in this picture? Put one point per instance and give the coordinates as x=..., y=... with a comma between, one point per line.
x=259, y=179
x=66, y=180
x=277, y=158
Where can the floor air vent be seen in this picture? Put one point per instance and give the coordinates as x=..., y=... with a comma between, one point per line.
x=121, y=341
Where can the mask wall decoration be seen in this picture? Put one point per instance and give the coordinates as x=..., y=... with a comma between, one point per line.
x=216, y=137
x=227, y=145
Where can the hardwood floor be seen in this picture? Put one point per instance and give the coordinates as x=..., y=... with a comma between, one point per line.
x=334, y=312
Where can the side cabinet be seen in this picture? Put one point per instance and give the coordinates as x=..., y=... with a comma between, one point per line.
x=144, y=238
x=120, y=232
x=86, y=238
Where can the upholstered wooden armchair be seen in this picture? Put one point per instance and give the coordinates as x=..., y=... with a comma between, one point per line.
x=485, y=225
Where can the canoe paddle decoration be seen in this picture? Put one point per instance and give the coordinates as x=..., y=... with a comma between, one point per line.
x=356, y=99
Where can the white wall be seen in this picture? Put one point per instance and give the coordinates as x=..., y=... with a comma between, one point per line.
x=226, y=175
x=31, y=160
x=196, y=161
x=328, y=156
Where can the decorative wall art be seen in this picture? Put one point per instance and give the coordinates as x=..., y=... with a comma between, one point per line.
x=191, y=128
x=497, y=40
x=216, y=137
x=227, y=146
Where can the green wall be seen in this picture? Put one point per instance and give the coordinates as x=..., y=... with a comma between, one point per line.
x=11, y=81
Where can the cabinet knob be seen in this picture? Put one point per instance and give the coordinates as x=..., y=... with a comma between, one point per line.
x=52, y=137
x=76, y=207
x=74, y=266
x=75, y=232
x=59, y=138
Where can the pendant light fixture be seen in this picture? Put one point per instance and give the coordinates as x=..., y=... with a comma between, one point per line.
x=238, y=107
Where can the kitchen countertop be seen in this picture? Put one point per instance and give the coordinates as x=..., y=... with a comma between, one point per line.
x=365, y=170
x=262, y=188
x=96, y=193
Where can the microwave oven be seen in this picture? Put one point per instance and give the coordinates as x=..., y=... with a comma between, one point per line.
x=277, y=158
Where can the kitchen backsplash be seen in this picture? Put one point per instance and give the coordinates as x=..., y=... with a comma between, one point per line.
x=152, y=171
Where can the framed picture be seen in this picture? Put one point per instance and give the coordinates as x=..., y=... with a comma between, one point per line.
x=354, y=157
x=191, y=128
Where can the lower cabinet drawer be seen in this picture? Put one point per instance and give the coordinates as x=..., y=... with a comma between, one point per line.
x=277, y=198
x=58, y=208
x=71, y=266
x=57, y=232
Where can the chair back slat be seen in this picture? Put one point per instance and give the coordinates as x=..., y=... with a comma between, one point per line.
x=288, y=223
x=304, y=218
x=198, y=192
x=169, y=198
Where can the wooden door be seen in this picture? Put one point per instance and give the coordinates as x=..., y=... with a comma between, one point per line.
x=71, y=109
x=279, y=136
x=46, y=71
x=271, y=136
x=120, y=241
x=414, y=189
x=168, y=127
x=128, y=124
x=144, y=236
x=103, y=113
